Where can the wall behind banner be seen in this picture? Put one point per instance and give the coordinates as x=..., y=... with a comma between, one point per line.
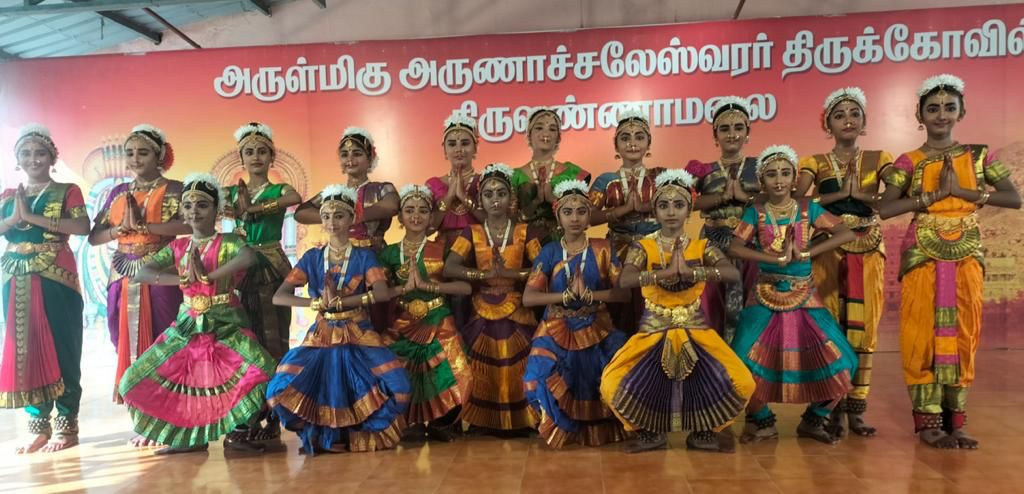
x=401, y=91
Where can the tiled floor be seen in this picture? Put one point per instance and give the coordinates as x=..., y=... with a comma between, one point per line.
x=893, y=462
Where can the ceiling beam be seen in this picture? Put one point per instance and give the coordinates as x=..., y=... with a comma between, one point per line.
x=94, y=6
x=260, y=6
x=321, y=3
x=739, y=8
x=128, y=23
x=173, y=29
x=5, y=55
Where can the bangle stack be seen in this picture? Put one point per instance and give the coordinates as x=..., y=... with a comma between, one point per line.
x=983, y=199
x=648, y=278
x=54, y=223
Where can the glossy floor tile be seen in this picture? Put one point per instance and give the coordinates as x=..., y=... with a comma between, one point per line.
x=891, y=463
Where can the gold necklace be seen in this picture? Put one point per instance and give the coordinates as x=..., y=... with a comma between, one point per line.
x=550, y=164
x=140, y=185
x=940, y=150
x=840, y=168
x=731, y=161
x=779, y=231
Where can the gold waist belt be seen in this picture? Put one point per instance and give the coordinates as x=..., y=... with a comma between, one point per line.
x=853, y=221
x=357, y=313
x=731, y=222
x=418, y=309
x=680, y=315
x=26, y=248
x=203, y=303
x=138, y=249
x=562, y=312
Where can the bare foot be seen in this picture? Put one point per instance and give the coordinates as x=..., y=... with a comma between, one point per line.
x=938, y=439
x=816, y=432
x=963, y=441
x=60, y=442
x=859, y=427
x=647, y=441
x=754, y=434
x=711, y=441
x=37, y=442
x=142, y=442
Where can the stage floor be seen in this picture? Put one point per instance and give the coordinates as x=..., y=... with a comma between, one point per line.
x=892, y=462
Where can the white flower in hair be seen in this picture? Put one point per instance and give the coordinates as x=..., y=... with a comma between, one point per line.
x=675, y=175
x=33, y=129
x=253, y=127
x=732, y=100
x=946, y=80
x=567, y=186
x=415, y=189
x=854, y=93
x=498, y=168
x=351, y=131
x=777, y=150
x=338, y=190
x=209, y=180
x=631, y=112
x=459, y=118
x=150, y=129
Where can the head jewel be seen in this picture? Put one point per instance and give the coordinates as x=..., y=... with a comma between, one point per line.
x=776, y=152
x=675, y=181
x=499, y=171
x=156, y=139
x=254, y=132
x=543, y=110
x=730, y=104
x=854, y=94
x=632, y=118
x=459, y=121
x=203, y=185
x=356, y=137
x=338, y=197
x=568, y=190
x=944, y=81
x=36, y=133
x=414, y=191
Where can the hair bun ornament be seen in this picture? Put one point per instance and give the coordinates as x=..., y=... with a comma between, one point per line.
x=677, y=176
x=334, y=190
x=942, y=80
x=253, y=128
x=851, y=93
x=777, y=151
x=571, y=187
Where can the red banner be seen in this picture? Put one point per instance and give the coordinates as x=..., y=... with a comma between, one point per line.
x=401, y=91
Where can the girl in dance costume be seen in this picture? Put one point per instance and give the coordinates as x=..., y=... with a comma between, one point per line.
x=342, y=388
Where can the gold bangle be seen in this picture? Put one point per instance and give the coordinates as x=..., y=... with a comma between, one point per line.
x=143, y=229
x=442, y=206
x=316, y=304
x=781, y=259
x=983, y=199
x=372, y=297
